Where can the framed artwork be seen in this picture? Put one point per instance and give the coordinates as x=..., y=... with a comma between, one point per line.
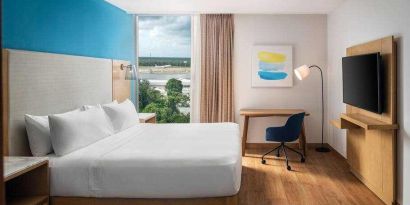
x=272, y=66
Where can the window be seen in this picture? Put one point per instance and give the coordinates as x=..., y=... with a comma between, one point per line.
x=164, y=66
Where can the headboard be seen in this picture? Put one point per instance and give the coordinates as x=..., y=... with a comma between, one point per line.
x=44, y=83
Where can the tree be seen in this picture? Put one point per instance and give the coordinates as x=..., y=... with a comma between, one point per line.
x=173, y=86
x=147, y=94
x=162, y=112
x=166, y=106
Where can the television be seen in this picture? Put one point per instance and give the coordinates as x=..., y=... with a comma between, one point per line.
x=363, y=81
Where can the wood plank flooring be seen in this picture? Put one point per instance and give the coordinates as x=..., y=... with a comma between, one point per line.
x=324, y=179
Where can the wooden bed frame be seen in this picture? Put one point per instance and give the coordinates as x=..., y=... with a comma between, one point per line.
x=230, y=200
x=120, y=92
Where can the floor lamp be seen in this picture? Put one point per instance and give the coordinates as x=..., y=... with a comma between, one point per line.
x=301, y=73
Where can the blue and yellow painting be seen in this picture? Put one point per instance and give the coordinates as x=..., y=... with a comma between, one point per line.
x=271, y=65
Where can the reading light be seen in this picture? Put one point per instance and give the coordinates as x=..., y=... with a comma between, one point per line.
x=301, y=73
x=130, y=72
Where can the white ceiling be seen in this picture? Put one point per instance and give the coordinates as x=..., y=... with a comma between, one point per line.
x=227, y=6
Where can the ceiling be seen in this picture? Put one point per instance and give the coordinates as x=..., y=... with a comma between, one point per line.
x=227, y=6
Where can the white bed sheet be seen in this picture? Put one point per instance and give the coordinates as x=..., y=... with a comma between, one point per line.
x=154, y=161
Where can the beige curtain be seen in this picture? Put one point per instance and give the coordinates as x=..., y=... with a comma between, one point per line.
x=216, y=68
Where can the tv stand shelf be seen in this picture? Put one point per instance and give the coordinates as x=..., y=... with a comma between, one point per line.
x=356, y=121
x=343, y=124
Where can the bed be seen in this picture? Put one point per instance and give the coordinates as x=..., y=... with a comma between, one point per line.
x=144, y=164
x=153, y=161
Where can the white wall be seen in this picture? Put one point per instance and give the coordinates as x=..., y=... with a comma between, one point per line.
x=307, y=34
x=358, y=22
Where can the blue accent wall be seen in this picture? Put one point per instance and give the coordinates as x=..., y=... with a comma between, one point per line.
x=91, y=28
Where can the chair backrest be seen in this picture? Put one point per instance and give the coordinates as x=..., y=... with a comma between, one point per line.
x=294, y=125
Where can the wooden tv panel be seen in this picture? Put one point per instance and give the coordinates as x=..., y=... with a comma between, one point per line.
x=371, y=137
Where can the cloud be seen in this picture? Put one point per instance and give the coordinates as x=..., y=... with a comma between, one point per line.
x=169, y=36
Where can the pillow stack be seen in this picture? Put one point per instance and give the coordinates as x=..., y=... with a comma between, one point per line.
x=86, y=107
x=38, y=132
x=70, y=131
x=122, y=115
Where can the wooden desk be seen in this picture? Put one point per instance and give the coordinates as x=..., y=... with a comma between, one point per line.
x=247, y=113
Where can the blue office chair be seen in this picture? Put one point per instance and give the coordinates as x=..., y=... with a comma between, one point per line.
x=288, y=133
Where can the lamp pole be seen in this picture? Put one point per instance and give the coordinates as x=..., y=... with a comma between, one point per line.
x=322, y=148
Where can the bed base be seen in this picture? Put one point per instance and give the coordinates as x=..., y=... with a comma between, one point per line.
x=229, y=200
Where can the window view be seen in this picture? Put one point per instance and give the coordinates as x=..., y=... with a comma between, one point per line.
x=164, y=61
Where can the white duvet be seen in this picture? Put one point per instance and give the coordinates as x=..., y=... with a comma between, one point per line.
x=154, y=161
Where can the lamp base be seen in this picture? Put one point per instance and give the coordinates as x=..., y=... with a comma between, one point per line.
x=322, y=149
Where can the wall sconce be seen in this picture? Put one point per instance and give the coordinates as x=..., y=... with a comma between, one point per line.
x=130, y=72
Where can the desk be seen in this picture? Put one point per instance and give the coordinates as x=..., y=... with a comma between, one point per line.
x=247, y=113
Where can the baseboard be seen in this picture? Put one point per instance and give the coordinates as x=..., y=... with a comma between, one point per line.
x=335, y=151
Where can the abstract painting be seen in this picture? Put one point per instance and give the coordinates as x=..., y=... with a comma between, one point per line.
x=272, y=66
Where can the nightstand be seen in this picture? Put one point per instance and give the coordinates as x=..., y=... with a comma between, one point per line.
x=147, y=117
x=26, y=180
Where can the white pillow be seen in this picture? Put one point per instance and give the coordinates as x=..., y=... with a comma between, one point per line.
x=122, y=115
x=72, y=131
x=38, y=133
x=86, y=107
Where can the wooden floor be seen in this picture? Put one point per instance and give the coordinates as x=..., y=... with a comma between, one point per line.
x=323, y=179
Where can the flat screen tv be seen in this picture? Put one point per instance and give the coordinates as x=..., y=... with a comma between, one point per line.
x=362, y=81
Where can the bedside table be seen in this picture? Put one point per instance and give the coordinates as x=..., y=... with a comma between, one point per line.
x=147, y=117
x=26, y=180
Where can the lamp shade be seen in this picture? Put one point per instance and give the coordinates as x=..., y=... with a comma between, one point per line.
x=131, y=73
x=302, y=72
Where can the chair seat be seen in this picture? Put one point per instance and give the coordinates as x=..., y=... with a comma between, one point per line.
x=278, y=134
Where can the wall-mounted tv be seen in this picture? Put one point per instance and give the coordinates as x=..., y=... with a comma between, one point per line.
x=362, y=82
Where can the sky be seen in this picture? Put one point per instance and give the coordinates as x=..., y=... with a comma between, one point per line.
x=164, y=36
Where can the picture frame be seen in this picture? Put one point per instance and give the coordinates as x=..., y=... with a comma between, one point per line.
x=272, y=66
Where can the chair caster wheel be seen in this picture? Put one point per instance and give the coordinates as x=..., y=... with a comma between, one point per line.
x=302, y=160
x=289, y=168
x=263, y=161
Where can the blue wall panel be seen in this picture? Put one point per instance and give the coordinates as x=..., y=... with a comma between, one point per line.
x=92, y=28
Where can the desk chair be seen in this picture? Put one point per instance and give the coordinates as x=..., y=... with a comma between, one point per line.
x=288, y=133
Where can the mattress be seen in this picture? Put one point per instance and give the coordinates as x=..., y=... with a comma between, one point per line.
x=153, y=161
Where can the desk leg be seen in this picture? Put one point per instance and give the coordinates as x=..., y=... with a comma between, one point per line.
x=302, y=140
x=245, y=134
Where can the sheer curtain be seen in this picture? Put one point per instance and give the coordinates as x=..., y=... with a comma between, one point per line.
x=216, y=97
x=195, y=68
